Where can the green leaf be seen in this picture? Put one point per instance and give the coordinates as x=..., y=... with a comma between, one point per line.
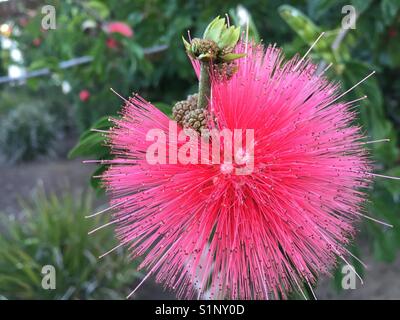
x=51, y=63
x=204, y=56
x=382, y=204
x=356, y=263
x=307, y=30
x=100, y=8
x=356, y=71
x=300, y=23
x=317, y=8
x=95, y=181
x=229, y=37
x=103, y=123
x=92, y=143
x=166, y=108
x=385, y=247
x=361, y=5
x=186, y=44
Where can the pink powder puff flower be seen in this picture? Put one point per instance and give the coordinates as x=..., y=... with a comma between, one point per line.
x=84, y=95
x=205, y=232
x=119, y=27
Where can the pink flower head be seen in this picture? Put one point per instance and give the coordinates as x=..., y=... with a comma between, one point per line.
x=119, y=27
x=84, y=95
x=206, y=232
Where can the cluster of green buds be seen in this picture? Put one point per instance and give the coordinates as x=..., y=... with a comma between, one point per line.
x=187, y=114
x=214, y=50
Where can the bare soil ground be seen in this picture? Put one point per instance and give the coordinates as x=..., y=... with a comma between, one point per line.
x=381, y=281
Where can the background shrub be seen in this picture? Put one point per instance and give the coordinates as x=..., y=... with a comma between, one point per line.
x=26, y=132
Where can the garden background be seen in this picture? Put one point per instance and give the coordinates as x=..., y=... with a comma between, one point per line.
x=55, y=85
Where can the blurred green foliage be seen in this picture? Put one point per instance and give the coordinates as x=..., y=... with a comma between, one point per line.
x=53, y=231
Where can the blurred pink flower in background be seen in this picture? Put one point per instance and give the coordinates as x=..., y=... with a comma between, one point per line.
x=84, y=95
x=119, y=27
x=208, y=233
x=23, y=21
x=36, y=42
x=112, y=43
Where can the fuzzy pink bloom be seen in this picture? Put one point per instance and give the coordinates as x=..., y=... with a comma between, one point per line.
x=112, y=43
x=84, y=95
x=207, y=233
x=120, y=27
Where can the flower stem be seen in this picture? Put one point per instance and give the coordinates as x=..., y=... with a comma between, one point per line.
x=204, y=85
